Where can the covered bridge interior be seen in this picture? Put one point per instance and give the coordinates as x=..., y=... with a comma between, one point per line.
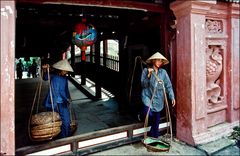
x=140, y=28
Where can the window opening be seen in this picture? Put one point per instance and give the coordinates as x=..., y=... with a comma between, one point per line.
x=29, y=69
x=109, y=54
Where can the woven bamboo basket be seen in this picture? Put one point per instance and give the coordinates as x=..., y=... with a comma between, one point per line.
x=48, y=125
x=73, y=126
x=46, y=131
x=156, y=145
x=45, y=118
x=45, y=125
x=46, y=136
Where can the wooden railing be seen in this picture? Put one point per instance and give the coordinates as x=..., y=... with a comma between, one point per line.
x=90, y=142
x=87, y=143
x=112, y=62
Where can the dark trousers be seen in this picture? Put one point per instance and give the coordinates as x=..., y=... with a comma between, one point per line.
x=65, y=117
x=153, y=121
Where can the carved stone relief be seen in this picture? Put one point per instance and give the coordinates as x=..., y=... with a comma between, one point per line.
x=214, y=26
x=214, y=67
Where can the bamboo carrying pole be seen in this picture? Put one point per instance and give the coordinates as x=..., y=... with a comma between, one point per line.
x=160, y=82
x=54, y=130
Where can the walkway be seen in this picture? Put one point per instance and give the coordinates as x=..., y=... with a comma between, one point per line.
x=98, y=115
x=90, y=115
x=221, y=147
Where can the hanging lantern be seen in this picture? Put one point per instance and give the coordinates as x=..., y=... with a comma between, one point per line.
x=84, y=35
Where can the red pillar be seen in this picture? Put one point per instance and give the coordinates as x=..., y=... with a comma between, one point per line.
x=191, y=78
x=7, y=81
x=233, y=63
x=207, y=89
x=83, y=63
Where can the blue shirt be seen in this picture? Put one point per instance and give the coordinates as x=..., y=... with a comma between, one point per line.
x=60, y=92
x=148, y=85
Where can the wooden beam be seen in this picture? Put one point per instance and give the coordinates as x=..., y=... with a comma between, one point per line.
x=83, y=137
x=98, y=70
x=73, y=59
x=118, y=4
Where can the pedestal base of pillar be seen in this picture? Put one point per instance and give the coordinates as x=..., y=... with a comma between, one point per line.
x=215, y=132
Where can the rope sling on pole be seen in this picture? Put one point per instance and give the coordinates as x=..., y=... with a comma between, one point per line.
x=45, y=125
x=152, y=143
x=73, y=123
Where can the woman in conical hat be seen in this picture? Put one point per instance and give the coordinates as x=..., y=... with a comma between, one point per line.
x=149, y=82
x=60, y=93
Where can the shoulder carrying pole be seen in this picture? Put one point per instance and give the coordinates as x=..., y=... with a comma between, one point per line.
x=168, y=117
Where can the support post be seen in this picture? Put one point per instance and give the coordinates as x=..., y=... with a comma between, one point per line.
x=83, y=62
x=105, y=51
x=190, y=69
x=207, y=68
x=73, y=58
x=98, y=70
x=7, y=80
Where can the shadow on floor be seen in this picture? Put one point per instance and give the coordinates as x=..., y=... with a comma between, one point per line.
x=90, y=115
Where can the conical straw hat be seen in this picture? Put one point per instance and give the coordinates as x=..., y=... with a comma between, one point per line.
x=157, y=55
x=63, y=65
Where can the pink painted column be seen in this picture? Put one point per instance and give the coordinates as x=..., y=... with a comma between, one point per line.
x=190, y=68
x=233, y=63
x=7, y=81
x=207, y=89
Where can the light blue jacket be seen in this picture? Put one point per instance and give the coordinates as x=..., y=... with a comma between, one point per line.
x=148, y=85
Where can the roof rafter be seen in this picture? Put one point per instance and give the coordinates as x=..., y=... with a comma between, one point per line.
x=133, y=5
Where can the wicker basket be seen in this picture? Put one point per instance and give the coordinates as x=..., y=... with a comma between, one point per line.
x=45, y=118
x=48, y=125
x=45, y=126
x=73, y=126
x=46, y=137
x=46, y=131
x=155, y=145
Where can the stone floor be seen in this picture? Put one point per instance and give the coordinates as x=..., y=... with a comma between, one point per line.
x=90, y=115
x=220, y=147
x=102, y=114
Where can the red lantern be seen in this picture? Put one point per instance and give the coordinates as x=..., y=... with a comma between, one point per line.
x=83, y=53
x=84, y=35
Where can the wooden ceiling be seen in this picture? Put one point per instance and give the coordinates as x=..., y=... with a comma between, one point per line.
x=45, y=26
